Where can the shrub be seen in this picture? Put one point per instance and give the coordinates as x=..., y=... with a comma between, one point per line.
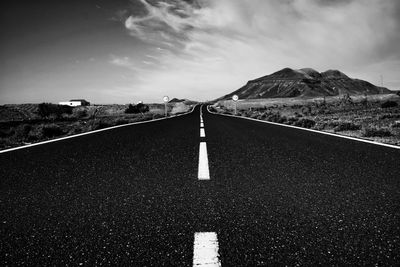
x=364, y=102
x=333, y=124
x=254, y=115
x=306, y=110
x=283, y=119
x=305, y=123
x=80, y=113
x=121, y=121
x=22, y=131
x=6, y=142
x=139, y=108
x=100, y=124
x=389, y=104
x=248, y=113
x=346, y=100
x=297, y=115
x=375, y=132
x=157, y=116
x=48, y=109
x=346, y=126
x=4, y=133
x=212, y=109
x=52, y=130
x=75, y=130
x=396, y=124
x=389, y=116
x=292, y=120
x=276, y=117
x=35, y=134
x=319, y=126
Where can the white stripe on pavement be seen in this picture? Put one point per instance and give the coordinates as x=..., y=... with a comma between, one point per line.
x=204, y=173
x=91, y=132
x=201, y=124
x=205, y=251
x=202, y=132
x=309, y=130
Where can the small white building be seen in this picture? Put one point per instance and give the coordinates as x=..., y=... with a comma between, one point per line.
x=75, y=103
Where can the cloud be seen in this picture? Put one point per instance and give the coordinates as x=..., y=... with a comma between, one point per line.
x=124, y=62
x=120, y=61
x=209, y=48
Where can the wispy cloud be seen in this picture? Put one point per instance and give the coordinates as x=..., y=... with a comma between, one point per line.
x=120, y=61
x=209, y=48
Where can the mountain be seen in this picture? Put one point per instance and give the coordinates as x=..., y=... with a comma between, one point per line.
x=305, y=82
x=176, y=100
x=183, y=100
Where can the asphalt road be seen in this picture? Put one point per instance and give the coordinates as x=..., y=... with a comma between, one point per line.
x=131, y=196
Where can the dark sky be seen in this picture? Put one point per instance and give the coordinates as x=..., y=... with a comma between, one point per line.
x=120, y=51
x=53, y=50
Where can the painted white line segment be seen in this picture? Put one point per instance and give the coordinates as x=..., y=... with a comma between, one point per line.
x=204, y=173
x=309, y=130
x=205, y=250
x=91, y=132
x=201, y=124
x=202, y=132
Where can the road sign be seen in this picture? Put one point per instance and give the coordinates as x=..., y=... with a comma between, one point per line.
x=235, y=98
x=166, y=99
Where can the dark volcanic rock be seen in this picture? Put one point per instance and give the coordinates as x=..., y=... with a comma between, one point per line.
x=305, y=82
x=176, y=100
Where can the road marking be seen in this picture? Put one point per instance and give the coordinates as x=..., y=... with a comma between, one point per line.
x=201, y=124
x=91, y=132
x=309, y=130
x=204, y=173
x=205, y=250
x=202, y=132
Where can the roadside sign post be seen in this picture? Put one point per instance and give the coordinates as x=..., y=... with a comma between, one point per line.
x=235, y=98
x=166, y=99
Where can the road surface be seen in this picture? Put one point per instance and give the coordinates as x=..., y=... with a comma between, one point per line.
x=132, y=196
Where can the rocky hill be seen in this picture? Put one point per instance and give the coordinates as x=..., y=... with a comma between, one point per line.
x=305, y=82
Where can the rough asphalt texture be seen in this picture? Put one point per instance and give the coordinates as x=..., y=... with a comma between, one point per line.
x=130, y=196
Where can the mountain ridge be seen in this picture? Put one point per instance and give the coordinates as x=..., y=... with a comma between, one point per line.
x=305, y=82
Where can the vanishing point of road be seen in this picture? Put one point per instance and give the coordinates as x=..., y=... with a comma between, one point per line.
x=200, y=189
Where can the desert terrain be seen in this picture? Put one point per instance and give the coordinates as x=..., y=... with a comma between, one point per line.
x=22, y=124
x=372, y=117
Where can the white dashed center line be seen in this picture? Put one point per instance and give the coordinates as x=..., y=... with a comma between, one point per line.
x=204, y=173
x=205, y=252
x=201, y=124
x=202, y=132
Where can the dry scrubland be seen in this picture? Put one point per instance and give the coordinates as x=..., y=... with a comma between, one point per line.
x=372, y=117
x=24, y=124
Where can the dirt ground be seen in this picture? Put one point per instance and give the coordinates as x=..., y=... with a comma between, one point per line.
x=372, y=117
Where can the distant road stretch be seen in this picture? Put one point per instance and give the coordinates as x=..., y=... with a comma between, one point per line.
x=200, y=190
